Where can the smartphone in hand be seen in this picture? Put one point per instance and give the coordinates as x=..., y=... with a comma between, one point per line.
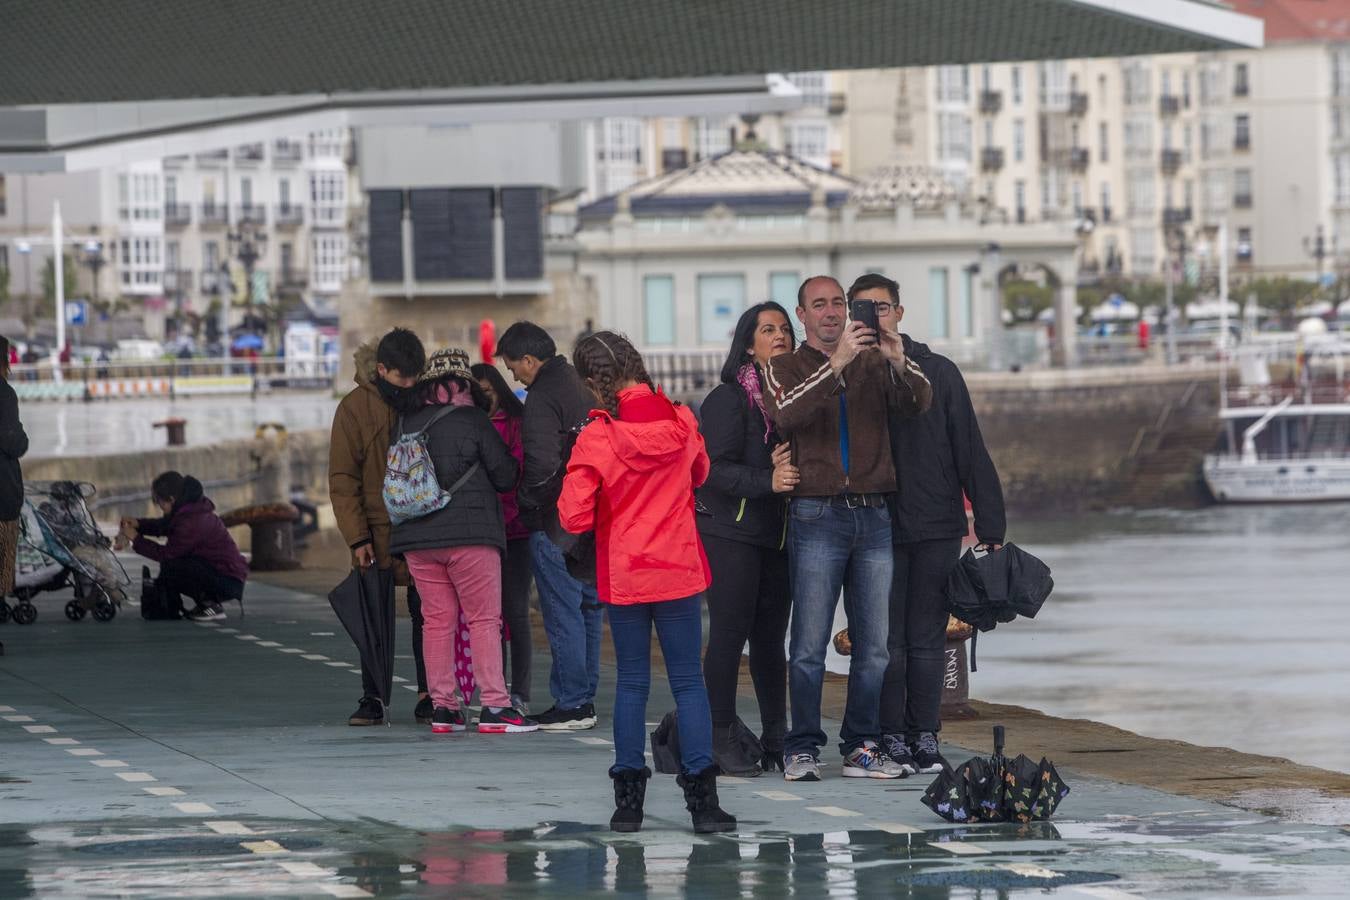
x=865, y=311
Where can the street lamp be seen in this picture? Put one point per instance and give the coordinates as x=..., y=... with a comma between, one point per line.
x=91, y=255
x=1319, y=248
x=247, y=243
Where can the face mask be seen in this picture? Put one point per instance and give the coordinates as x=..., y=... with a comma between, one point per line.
x=391, y=393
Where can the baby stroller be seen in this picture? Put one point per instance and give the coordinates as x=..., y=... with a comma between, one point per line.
x=61, y=546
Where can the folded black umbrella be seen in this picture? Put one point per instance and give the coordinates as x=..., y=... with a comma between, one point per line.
x=996, y=789
x=364, y=603
x=996, y=587
x=742, y=756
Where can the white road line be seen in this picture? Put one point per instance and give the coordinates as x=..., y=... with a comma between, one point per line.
x=136, y=776
x=290, y=650
x=189, y=806
x=836, y=811
x=18, y=718
x=321, y=633
x=305, y=869
x=399, y=679
x=344, y=890
x=229, y=631
x=84, y=751
x=163, y=791
x=207, y=624
x=895, y=828
x=337, y=664
x=263, y=847
x=39, y=729
x=108, y=763
x=5, y=709
x=731, y=779
x=410, y=687
x=247, y=637
x=593, y=741
x=61, y=742
x=220, y=827
x=777, y=795
x=957, y=848
x=314, y=656
x=268, y=644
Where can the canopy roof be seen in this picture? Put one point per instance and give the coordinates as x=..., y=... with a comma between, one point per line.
x=83, y=51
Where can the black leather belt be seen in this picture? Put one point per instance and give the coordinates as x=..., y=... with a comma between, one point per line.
x=858, y=501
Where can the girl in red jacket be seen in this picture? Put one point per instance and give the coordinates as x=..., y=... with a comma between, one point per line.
x=631, y=479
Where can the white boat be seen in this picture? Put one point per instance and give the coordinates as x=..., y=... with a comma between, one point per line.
x=1286, y=441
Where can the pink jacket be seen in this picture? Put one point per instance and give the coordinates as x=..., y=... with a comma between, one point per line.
x=510, y=430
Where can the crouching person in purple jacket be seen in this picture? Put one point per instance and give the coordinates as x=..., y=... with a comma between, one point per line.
x=199, y=558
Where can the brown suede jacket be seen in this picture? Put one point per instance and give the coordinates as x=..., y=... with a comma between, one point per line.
x=803, y=395
x=357, y=455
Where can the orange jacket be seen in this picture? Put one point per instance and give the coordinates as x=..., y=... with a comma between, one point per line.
x=632, y=480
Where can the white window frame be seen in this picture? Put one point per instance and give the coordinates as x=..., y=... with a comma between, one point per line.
x=328, y=261
x=328, y=197
x=809, y=140
x=141, y=264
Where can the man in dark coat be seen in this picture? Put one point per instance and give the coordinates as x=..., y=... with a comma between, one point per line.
x=558, y=401
x=13, y=445
x=938, y=457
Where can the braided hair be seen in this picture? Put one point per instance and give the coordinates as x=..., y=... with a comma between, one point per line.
x=608, y=361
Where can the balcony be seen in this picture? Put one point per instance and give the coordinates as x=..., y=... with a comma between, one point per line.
x=210, y=281
x=214, y=215
x=991, y=103
x=177, y=215
x=213, y=159
x=1106, y=214
x=178, y=281
x=1242, y=201
x=673, y=159
x=176, y=162
x=290, y=215
x=292, y=278
x=1170, y=160
x=1079, y=157
x=1169, y=105
x=1078, y=104
x=991, y=159
x=1244, y=253
x=1242, y=142
x=328, y=215
x=837, y=104
x=254, y=213
x=1176, y=215
x=249, y=154
x=287, y=153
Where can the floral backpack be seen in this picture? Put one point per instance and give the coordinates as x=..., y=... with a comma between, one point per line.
x=411, y=489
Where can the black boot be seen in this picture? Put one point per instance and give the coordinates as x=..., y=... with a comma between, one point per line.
x=630, y=788
x=772, y=742
x=700, y=798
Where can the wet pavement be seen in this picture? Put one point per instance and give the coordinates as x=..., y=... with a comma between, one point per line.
x=152, y=759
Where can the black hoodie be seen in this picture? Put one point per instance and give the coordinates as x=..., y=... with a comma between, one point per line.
x=940, y=454
x=13, y=445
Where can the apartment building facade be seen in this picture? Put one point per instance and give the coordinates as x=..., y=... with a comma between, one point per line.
x=174, y=233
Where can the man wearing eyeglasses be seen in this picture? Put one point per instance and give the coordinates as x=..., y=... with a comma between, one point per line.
x=938, y=457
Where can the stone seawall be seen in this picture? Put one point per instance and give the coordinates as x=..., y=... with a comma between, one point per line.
x=234, y=472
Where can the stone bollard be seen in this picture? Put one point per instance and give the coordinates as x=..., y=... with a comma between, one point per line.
x=955, y=673
x=271, y=519
x=176, y=430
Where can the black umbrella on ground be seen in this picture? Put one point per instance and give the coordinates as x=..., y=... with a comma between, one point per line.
x=996, y=789
x=364, y=603
x=997, y=587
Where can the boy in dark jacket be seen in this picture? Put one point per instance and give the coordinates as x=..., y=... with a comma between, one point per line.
x=938, y=457
x=558, y=401
x=199, y=558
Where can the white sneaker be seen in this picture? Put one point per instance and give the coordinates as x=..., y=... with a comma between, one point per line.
x=869, y=762
x=801, y=767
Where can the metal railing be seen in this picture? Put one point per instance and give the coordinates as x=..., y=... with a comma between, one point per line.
x=269, y=369
x=685, y=371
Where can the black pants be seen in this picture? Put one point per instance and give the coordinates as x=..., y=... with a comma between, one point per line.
x=749, y=599
x=414, y=613
x=911, y=694
x=195, y=578
x=516, y=579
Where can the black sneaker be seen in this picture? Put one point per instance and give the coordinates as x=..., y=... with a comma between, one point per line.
x=894, y=746
x=445, y=721
x=370, y=712
x=504, y=721
x=205, y=612
x=926, y=755
x=579, y=719
x=422, y=711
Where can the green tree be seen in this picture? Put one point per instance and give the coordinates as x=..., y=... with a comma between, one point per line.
x=1283, y=295
x=4, y=285
x=1026, y=299
x=68, y=277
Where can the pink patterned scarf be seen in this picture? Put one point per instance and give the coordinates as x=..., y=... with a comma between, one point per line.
x=747, y=376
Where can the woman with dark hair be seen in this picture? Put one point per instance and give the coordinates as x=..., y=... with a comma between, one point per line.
x=454, y=553
x=198, y=557
x=631, y=479
x=741, y=520
x=507, y=414
x=13, y=445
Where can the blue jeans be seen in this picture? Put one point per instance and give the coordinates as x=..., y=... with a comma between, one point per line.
x=573, y=632
x=679, y=628
x=831, y=547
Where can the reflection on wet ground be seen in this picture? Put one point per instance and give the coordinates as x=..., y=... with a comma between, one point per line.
x=1175, y=854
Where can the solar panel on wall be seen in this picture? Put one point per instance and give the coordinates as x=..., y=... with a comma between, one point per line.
x=386, y=235
x=523, y=224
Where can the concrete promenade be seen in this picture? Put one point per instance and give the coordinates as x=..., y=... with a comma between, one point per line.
x=153, y=759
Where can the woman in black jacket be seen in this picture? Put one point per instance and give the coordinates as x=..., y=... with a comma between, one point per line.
x=455, y=553
x=741, y=520
x=13, y=445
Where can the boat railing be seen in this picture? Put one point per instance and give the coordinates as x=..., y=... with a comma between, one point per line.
x=1327, y=393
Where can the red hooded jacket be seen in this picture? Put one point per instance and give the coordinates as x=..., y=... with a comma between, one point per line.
x=632, y=480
